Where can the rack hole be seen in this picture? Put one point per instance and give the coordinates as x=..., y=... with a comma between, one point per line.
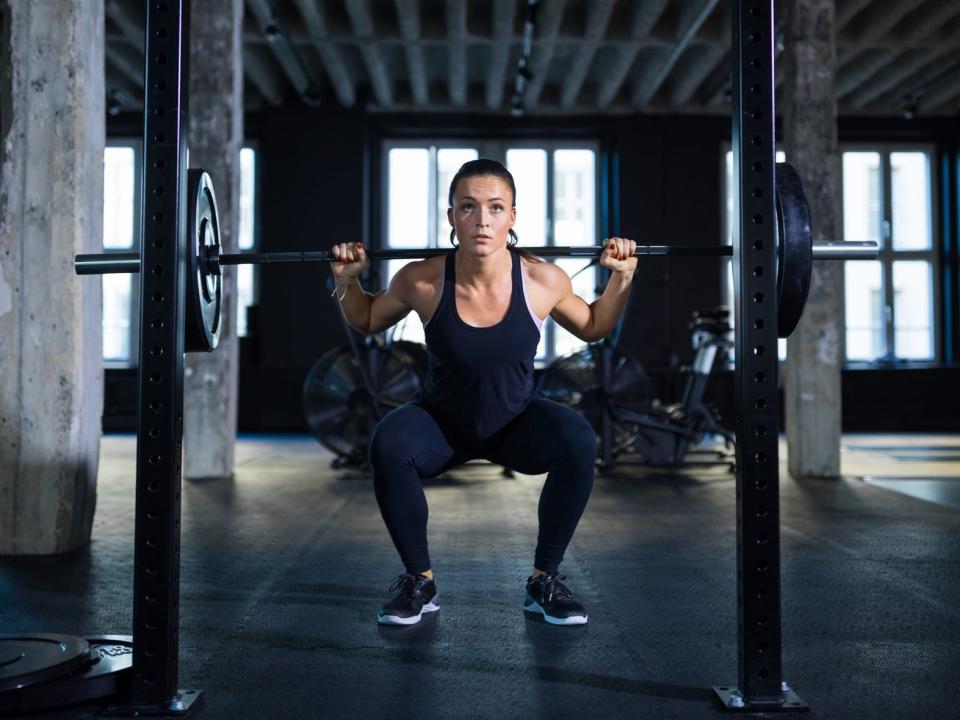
x=762, y=593
x=761, y=485
x=757, y=193
x=158, y=297
x=156, y=378
x=158, y=269
x=154, y=459
x=757, y=140
x=160, y=85
x=758, y=324
x=758, y=244
x=759, y=351
x=761, y=430
x=162, y=33
x=755, y=89
x=160, y=164
x=761, y=511
x=760, y=458
x=760, y=404
x=756, y=114
x=154, y=432
x=755, y=37
x=158, y=216
x=755, y=63
x=157, y=324
x=758, y=219
x=757, y=166
x=762, y=620
x=158, y=243
x=156, y=351
x=159, y=111
x=153, y=514
x=161, y=59
x=759, y=377
x=758, y=298
x=761, y=539
x=762, y=647
x=159, y=138
x=758, y=271
x=159, y=190
x=763, y=674
x=152, y=541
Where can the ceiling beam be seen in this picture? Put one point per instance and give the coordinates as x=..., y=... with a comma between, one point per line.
x=887, y=78
x=599, y=16
x=692, y=17
x=699, y=61
x=549, y=15
x=869, y=27
x=130, y=67
x=257, y=66
x=457, y=51
x=298, y=73
x=845, y=12
x=408, y=14
x=911, y=89
x=363, y=29
x=860, y=69
x=503, y=20
x=645, y=16
x=129, y=18
x=319, y=37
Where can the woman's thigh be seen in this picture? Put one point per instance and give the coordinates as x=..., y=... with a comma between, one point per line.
x=546, y=430
x=411, y=435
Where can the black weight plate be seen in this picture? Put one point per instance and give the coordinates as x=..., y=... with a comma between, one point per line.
x=203, y=308
x=30, y=659
x=106, y=673
x=795, y=249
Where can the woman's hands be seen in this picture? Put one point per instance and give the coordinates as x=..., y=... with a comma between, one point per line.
x=351, y=261
x=618, y=255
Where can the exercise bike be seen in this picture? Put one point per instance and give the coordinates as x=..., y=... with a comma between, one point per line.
x=610, y=388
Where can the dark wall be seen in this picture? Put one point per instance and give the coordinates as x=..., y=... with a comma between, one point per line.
x=314, y=166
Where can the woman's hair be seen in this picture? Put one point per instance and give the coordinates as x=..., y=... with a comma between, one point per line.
x=490, y=168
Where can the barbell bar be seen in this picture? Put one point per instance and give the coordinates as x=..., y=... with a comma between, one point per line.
x=205, y=259
x=107, y=263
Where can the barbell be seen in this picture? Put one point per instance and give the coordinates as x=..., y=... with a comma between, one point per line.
x=203, y=299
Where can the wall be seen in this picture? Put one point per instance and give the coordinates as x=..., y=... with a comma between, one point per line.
x=311, y=195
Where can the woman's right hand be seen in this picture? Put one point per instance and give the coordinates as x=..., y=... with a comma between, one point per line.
x=351, y=260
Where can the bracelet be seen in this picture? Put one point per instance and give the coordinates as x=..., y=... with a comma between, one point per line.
x=339, y=285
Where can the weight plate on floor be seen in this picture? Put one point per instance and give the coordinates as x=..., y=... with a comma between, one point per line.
x=30, y=659
x=203, y=308
x=795, y=249
x=106, y=672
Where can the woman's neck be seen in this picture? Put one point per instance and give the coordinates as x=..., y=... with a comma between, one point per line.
x=483, y=271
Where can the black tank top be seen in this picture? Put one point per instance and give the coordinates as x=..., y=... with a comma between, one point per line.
x=480, y=378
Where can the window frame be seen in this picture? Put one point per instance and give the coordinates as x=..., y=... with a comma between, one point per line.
x=888, y=255
x=135, y=144
x=493, y=147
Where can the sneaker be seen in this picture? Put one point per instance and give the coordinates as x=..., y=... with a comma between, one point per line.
x=549, y=597
x=417, y=594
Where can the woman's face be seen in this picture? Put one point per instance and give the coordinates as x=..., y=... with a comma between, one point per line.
x=482, y=213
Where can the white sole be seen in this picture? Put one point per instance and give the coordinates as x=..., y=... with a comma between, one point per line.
x=535, y=607
x=412, y=620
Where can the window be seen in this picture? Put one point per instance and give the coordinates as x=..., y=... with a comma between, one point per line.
x=246, y=235
x=121, y=292
x=728, y=233
x=556, y=205
x=890, y=301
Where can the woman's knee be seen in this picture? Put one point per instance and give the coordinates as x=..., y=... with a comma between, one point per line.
x=576, y=437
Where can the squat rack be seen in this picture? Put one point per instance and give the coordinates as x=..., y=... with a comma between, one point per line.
x=163, y=252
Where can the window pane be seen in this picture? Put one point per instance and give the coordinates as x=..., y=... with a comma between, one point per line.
x=574, y=197
x=912, y=303
x=864, y=310
x=410, y=328
x=244, y=296
x=408, y=203
x=116, y=317
x=118, y=187
x=862, y=206
x=449, y=161
x=247, y=176
x=584, y=285
x=910, y=180
x=529, y=170
x=245, y=236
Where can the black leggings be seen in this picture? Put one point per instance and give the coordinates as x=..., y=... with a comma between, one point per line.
x=409, y=444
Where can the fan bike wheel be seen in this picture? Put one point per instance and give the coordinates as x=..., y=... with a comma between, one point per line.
x=340, y=410
x=574, y=380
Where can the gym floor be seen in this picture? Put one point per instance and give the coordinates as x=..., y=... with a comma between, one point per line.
x=284, y=567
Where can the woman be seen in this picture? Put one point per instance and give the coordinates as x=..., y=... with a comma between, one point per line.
x=482, y=308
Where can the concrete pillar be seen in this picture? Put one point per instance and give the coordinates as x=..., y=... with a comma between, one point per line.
x=815, y=350
x=51, y=208
x=215, y=136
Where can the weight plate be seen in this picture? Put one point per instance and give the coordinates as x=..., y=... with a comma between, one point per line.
x=203, y=308
x=795, y=249
x=106, y=672
x=30, y=659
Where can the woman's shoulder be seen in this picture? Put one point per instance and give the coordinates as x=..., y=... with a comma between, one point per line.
x=544, y=273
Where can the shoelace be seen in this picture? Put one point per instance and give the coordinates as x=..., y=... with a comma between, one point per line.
x=406, y=584
x=552, y=587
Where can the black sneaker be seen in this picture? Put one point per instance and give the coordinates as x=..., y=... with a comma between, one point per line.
x=418, y=594
x=549, y=597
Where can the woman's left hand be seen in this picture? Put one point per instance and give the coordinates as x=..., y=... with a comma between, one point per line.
x=618, y=255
